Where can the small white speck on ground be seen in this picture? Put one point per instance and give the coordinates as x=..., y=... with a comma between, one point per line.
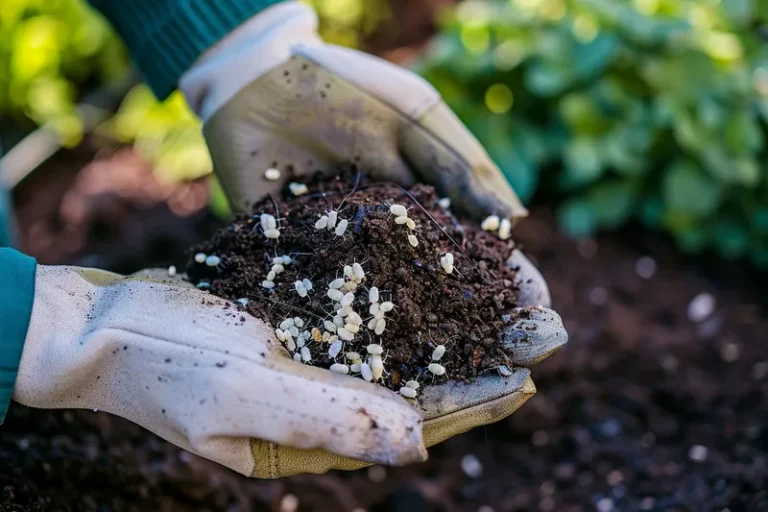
x=471, y=466
x=540, y=438
x=172, y=271
x=289, y=503
x=646, y=267
x=605, y=505
x=598, y=296
x=377, y=473
x=701, y=307
x=698, y=453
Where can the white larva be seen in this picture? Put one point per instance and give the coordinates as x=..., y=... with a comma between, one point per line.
x=355, y=367
x=413, y=240
x=287, y=324
x=372, y=323
x=347, y=299
x=264, y=222
x=448, y=258
x=280, y=334
x=242, y=301
x=373, y=295
x=381, y=325
x=297, y=357
x=335, y=295
x=375, y=349
x=373, y=309
x=342, y=227
x=272, y=234
x=287, y=260
x=367, y=373
x=354, y=329
x=329, y=326
x=413, y=384
x=379, y=315
x=339, y=368
x=354, y=319
x=445, y=203
x=398, y=210
x=358, y=271
x=408, y=392
x=212, y=261
x=411, y=224
x=271, y=276
x=448, y=269
x=348, y=272
x=339, y=321
x=172, y=271
x=491, y=223
x=294, y=331
x=277, y=261
x=344, y=311
x=438, y=353
x=401, y=220
x=278, y=269
x=203, y=285
x=300, y=289
x=306, y=355
x=353, y=357
x=289, y=343
x=333, y=217
x=307, y=284
x=300, y=342
x=298, y=189
x=336, y=283
x=505, y=230
x=200, y=257
x=345, y=334
x=298, y=322
x=387, y=307
x=349, y=286
x=335, y=349
x=377, y=366
x=322, y=222
x=436, y=369
x=268, y=284
x=271, y=222
x=272, y=174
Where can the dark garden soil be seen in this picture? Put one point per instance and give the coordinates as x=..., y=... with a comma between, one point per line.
x=644, y=409
x=461, y=310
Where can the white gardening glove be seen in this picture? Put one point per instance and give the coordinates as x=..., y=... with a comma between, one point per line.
x=207, y=378
x=272, y=94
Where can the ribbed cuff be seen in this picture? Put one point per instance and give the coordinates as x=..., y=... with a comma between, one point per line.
x=165, y=37
x=17, y=293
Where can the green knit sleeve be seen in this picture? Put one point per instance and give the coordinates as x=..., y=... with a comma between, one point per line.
x=17, y=292
x=165, y=37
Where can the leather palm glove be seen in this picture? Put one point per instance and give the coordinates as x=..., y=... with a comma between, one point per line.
x=273, y=95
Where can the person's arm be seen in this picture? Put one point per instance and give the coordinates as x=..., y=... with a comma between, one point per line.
x=164, y=37
x=17, y=288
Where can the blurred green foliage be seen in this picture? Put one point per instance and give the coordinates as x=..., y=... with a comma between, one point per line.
x=623, y=109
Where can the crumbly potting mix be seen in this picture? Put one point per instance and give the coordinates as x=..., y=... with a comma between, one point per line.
x=368, y=280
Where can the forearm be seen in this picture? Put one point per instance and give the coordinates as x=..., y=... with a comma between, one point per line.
x=165, y=37
x=17, y=288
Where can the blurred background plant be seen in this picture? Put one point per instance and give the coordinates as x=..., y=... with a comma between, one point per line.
x=618, y=109
x=645, y=109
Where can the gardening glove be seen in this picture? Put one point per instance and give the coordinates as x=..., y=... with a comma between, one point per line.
x=192, y=369
x=273, y=95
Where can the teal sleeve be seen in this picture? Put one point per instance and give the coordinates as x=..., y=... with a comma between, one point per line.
x=17, y=292
x=165, y=37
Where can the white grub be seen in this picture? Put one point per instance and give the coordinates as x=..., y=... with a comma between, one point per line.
x=353, y=357
x=505, y=229
x=277, y=261
x=379, y=315
x=345, y=311
x=212, y=261
x=491, y=223
x=289, y=343
x=373, y=295
x=355, y=367
x=272, y=234
x=172, y=271
x=271, y=276
x=375, y=349
x=438, y=353
x=413, y=240
x=413, y=384
x=294, y=331
x=377, y=366
x=354, y=329
x=345, y=334
x=401, y=220
x=408, y=392
x=398, y=210
x=272, y=174
x=200, y=257
x=298, y=322
x=336, y=283
x=297, y=357
x=280, y=334
x=338, y=320
x=298, y=189
x=348, y=272
x=367, y=373
x=342, y=227
x=307, y=284
x=203, y=285
x=373, y=309
x=448, y=258
x=322, y=222
x=335, y=349
x=372, y=323
x=242, y=301
x=287, y=260
x=335, y=295
x=278, y=269
x=381, y=325
x=329, y=326
x=333, y=217
x=300, y=289
x=306, y=355
x=386, y=307
x=447, y=263
x=445, y=203
x=354, y=319
x=411, y=224
x=348, y=299
x=436, y=369
x=287, y=324
x=268, y=284
x=358, y=271
x=339, y=368
x=268, y=221
x=349, y=286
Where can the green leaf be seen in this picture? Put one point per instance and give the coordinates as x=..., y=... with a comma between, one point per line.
x=688, y=190
x=594, y=57
x=218, y=199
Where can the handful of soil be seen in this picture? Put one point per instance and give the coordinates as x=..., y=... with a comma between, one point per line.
x=368, y=280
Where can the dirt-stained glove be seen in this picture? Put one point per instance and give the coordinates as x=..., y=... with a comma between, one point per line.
x=208, y=379
x=272, y=95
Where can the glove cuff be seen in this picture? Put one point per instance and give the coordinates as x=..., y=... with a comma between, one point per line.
x=166, y=37
x=17, y=286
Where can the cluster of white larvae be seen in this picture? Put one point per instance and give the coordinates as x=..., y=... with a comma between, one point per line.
x=401, y=217
x=331, y=221
x=278, y=267
x=495, y=223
